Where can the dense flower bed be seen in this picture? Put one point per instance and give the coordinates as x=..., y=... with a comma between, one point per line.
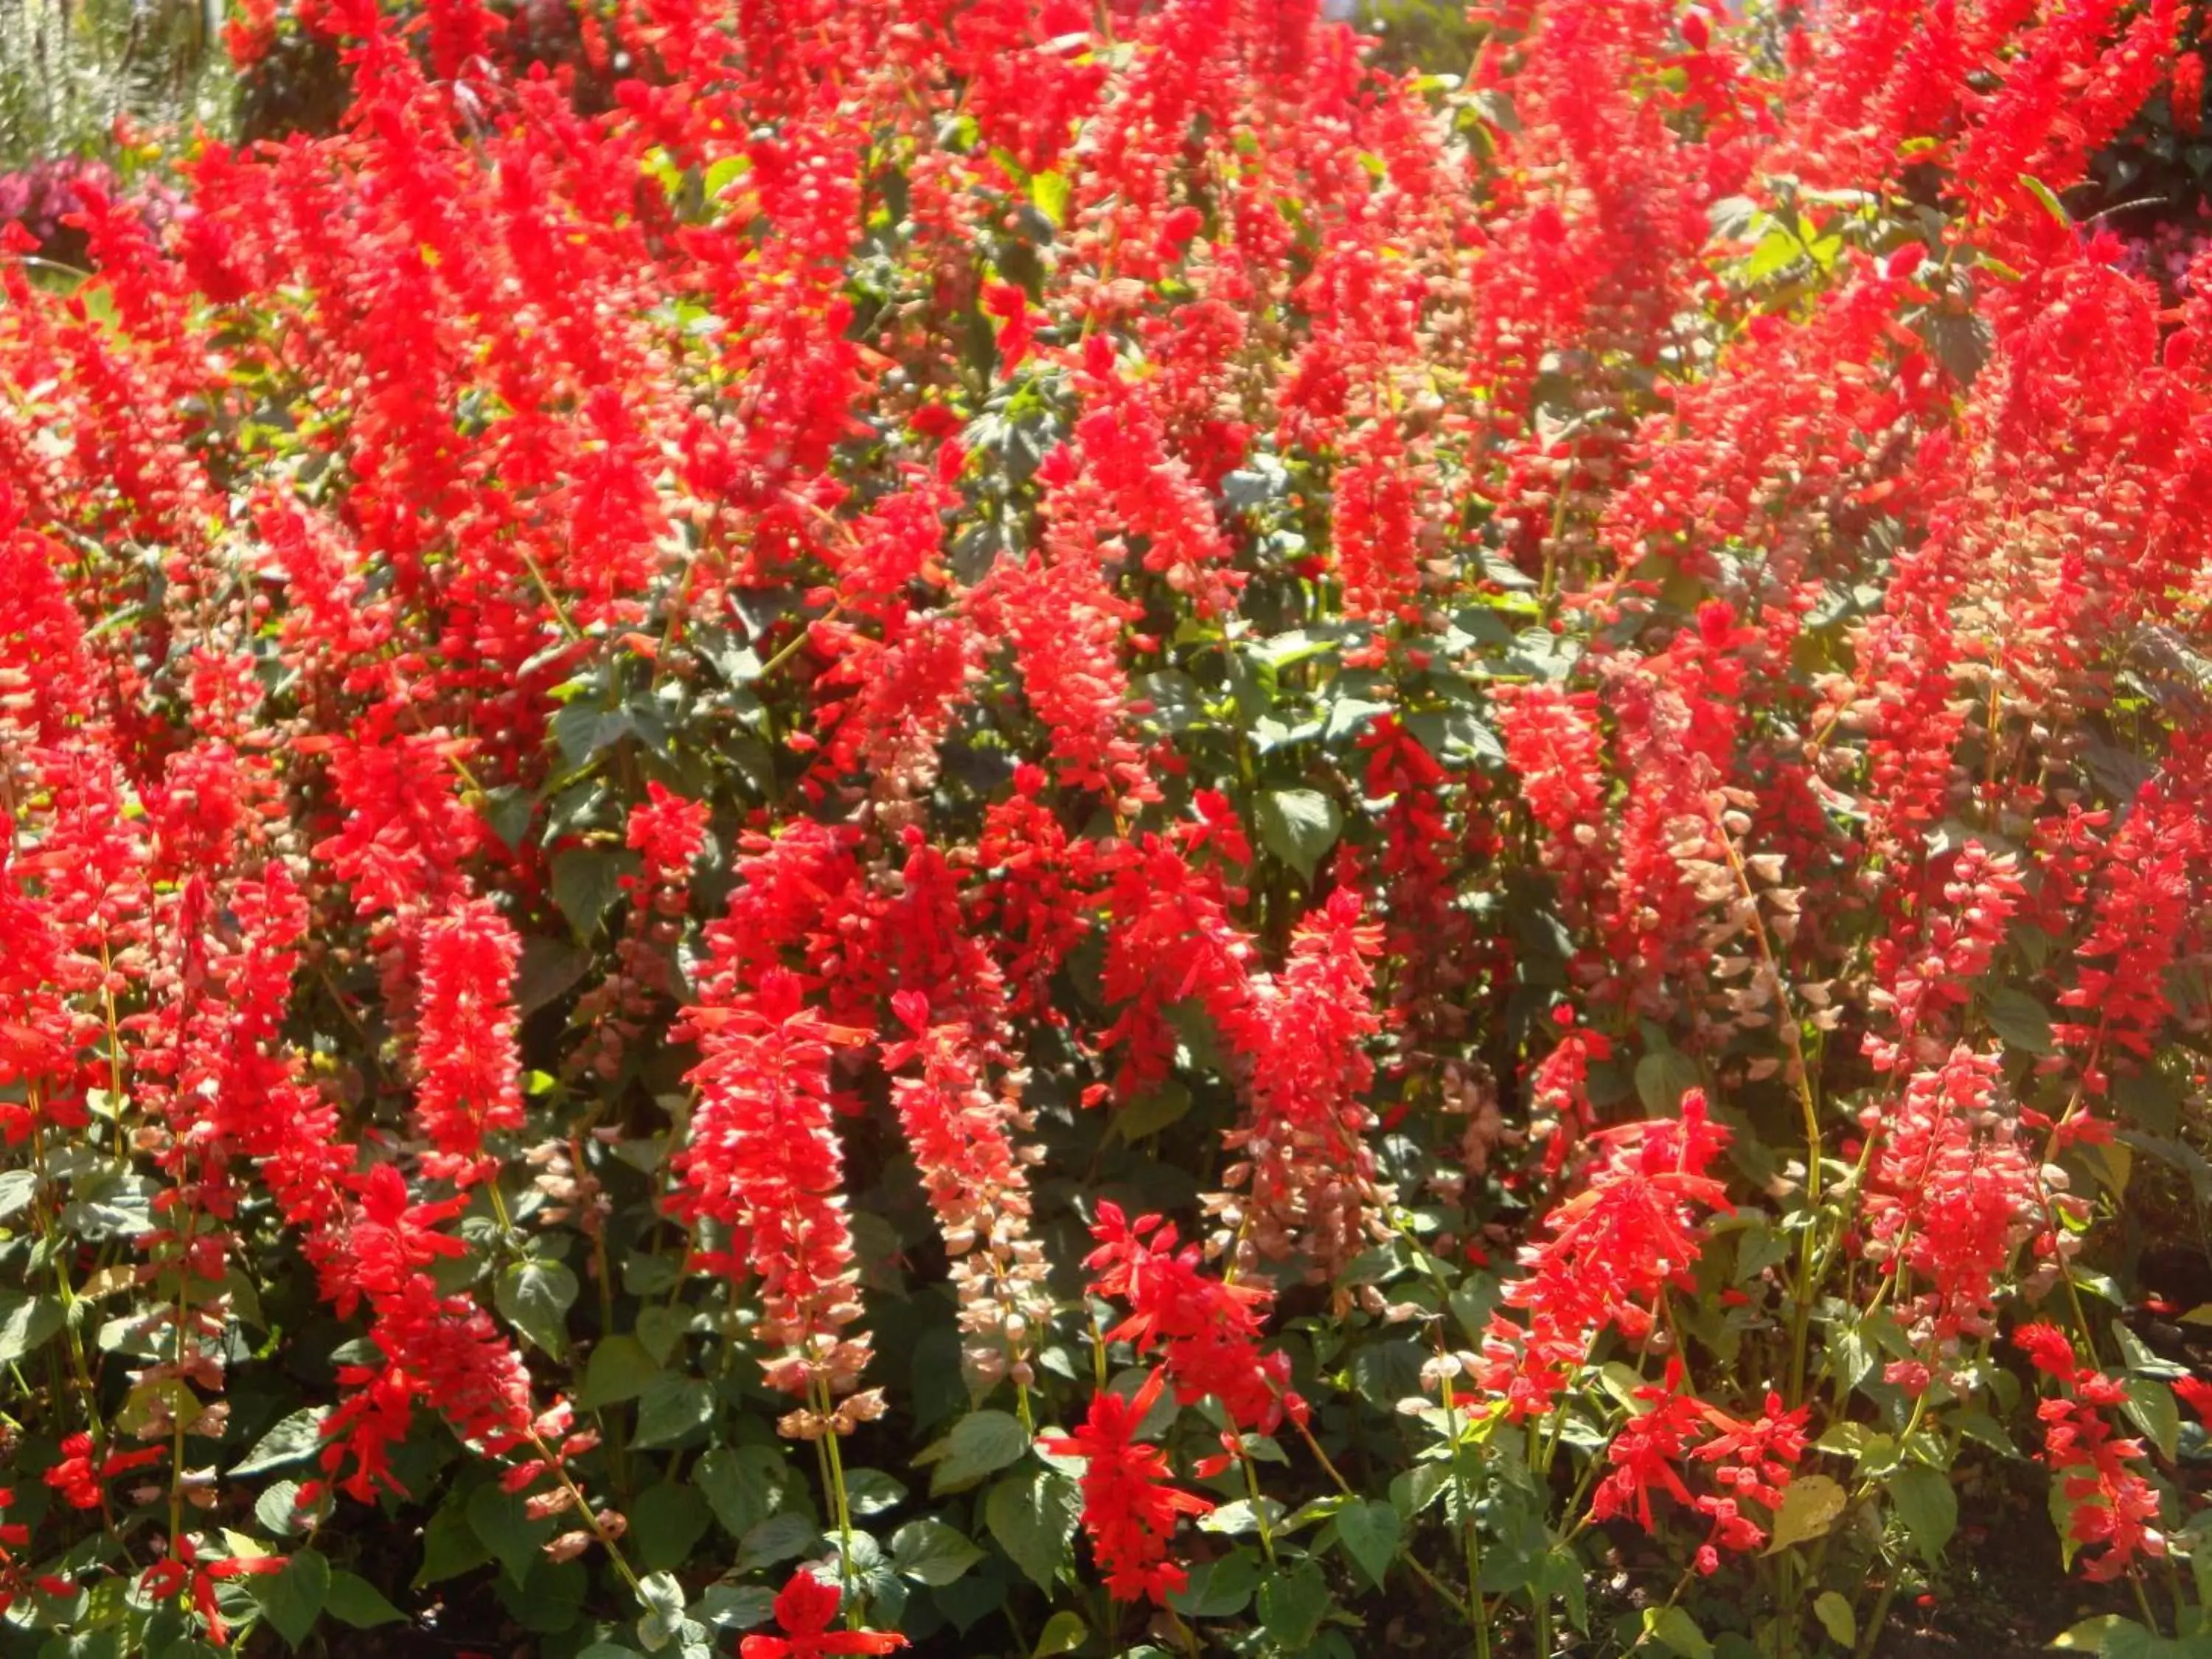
x=1062, y=830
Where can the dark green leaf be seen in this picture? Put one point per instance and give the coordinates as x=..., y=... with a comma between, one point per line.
x=931, y=1552
x=292, y=1600
x=294, y=1440
x=666, y=1521
x=1063, y=1632
x=981, y=1443
x=672, y=1409
x=1033, y=1516
x=2022, y=1021
x=777, y=1538
x=550, y=967
x=1299, y=826
x=499, y=1521
x=586, y=881
x=1929, y=1507
x=661, y=1328
x=352, y=1600
x=535, y=1297
x=17, y=1187
x=1674, y=1630
x=450, y=1545
x=26, y=1324
x=1662, y=1077
x=1291, y=1604
x=620, y=1369
x=1370, y=1535
x=1219, y=1589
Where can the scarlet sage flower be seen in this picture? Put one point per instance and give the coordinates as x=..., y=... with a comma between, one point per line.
x=1207, y=1329
x=186, y=1574
x=81, y=1481
x=468, y=1073
x=803, y=1607
x=1129, y=1511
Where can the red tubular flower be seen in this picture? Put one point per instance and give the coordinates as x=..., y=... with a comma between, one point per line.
x=1305, y=1176
x=81, y=1481
x=1612, y=1249
x=1129, y=1511
x=187, y=1574
x=764, y=1161
x=468, y=1083
x=1648, y=1451
x=803, y=1607
x=1208, y=1328
x=2113, y=1509
x=1952, y=1191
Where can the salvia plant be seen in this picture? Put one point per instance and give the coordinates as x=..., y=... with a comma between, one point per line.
x=1043, y=827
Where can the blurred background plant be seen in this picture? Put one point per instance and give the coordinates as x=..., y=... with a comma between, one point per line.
x=77, y=75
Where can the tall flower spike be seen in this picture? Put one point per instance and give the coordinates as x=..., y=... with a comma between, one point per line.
x=468, y=1083
x=1129, y=1510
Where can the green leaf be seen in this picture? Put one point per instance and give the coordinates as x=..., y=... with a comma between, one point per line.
x=1927, y=1506
x=1673, y=1629
x=1837, y=1618
x=1050, y=192
x=931, y=1552
x=1663, y=1076
x=551, y=1601
x=660, y=1329
x=499, y=1519
x=620, y=1369
x=1063, y=1632
x=666, y=1521
x=1219, y=1589
x=777, y=1538
x=292, y=1600
x=2150, y=1406
x=1299, y=826
x=582, y=729
x=352, y=1600
x=550, y=967
x=1809, y=1508
x=2130, y=1640
x=535, y=1295
x=17, y=1188
x=1033, y=1516
x=981, y=1443
x=2022, y=1021
x=26, y=1324
x=276, y=1506
x=745, y=1485
x=2091, y=1634
x=1370, y=1534
x=294, y=1440
x=735, y=1606
x=672, y=1409
x=871, y=1492
x=1150, y=1112
x=1291, y=1603
x=586, y=881
x=450, y=1545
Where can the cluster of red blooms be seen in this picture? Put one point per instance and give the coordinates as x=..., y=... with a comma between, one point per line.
x=1608, y=1254
x=868, y=439
x=1130, y=1509
x=1749, y=1461
x=2113, y=1509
